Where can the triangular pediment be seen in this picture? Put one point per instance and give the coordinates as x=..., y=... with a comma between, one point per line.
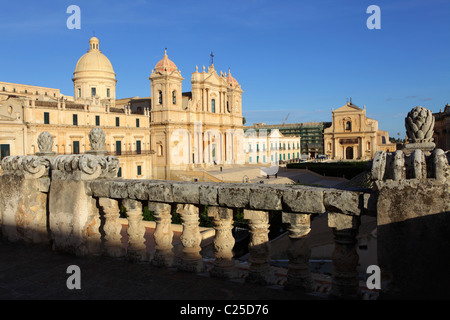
x=214, y=78
x=349, y=108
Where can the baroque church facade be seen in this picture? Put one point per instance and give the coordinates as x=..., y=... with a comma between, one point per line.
x=354, y=136
x=155, y=137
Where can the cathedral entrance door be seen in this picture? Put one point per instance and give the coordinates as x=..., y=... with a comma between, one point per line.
x=349, y=153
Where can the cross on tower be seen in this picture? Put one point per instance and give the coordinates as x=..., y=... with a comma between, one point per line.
x=212, y=58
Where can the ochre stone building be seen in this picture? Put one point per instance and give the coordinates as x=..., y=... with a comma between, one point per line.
x=354, y=136
x=153, y=137
x=442, y=128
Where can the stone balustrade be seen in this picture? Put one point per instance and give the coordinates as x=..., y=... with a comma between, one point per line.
x=73, y=203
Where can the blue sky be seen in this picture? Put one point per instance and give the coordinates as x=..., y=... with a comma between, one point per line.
x=294, y=57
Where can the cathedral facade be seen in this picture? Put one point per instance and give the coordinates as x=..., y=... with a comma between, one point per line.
x=354, y=136
x=154, y=137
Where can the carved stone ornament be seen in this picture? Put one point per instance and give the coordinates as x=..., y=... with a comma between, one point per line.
x=97, y=140
x=419, y=125
x=29, y=166
x=45, y=144
x=86, y=166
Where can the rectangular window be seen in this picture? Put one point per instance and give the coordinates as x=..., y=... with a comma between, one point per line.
x=213, y=105
x=4, y=150
x=76, y=147
x=118, y=148
x=75, y=119
x=117, y=121
x=79, y=93
x=93, y=92
x=139, y=170
x=107, y=92
x=119, y=172
x=46, y=118
x=138, y=146
x=137, y=123
x=97, y=121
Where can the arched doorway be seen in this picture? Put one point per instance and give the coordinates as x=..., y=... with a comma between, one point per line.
x=349, y=153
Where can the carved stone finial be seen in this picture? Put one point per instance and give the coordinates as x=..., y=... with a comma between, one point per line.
x=45, y=144
x=419, y=125
x=97, y=140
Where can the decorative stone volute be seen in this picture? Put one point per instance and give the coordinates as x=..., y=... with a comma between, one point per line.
x=92, y=165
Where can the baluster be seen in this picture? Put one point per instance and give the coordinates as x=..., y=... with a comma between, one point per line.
x=190, y=238
x=163, y=234
x=137, y=250
x=223, y=242
x=112, y=228
x=345, y=283
x=93, y=243
x=259, y=246
x=299, y=252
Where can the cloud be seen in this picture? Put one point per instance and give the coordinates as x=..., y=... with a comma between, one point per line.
x=426, y=99
x=410, y=97
x=388, y=99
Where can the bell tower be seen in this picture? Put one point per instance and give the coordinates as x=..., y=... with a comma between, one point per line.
x=165, y=89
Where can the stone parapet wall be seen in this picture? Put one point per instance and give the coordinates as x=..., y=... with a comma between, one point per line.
x=74, y=203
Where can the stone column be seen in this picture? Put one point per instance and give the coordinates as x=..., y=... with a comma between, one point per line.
x=163, y=234
x=259, y=246
x=223, y=242
x=112, y=227
x=136, y=251
x=345, y=283
x=299, y=252
x=190, y=238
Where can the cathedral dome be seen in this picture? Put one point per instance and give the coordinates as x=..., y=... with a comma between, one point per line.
x=232, y=82
x=94, y=62
x=165, y=64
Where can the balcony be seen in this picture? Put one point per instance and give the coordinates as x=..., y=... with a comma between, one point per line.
x=73, y=203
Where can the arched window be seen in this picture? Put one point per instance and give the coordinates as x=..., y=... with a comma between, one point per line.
x=160, y=97
x=348, y=126
x=174, y=97
x=160, y=150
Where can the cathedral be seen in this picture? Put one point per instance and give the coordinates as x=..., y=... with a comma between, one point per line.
x=170, y=132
